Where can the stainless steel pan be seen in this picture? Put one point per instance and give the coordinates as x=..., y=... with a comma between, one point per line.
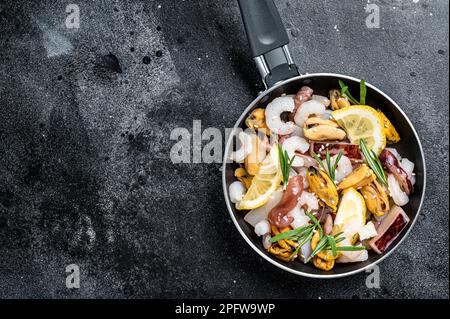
x=268, y=43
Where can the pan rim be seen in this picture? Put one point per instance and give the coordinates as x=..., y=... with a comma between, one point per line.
x=257, y=249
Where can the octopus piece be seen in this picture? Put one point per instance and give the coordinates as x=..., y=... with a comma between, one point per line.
x=391, y=163
x=389, y=229
x=349, y=150
x=278, y=216
x=304, y=94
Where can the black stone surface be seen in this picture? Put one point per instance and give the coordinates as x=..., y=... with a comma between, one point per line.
x=85, y=122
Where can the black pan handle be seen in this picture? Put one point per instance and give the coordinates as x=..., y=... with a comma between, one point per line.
x=268, y=40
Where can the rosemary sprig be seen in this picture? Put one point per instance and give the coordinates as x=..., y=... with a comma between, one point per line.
x=373, y=161
x=326, y=242
x=362, y=92
x=330, y=169
x=319, y=161
x=330, y=243
x=345, y=92
x=300, y=235
x=291, y=234
x=285, y=164
x=315, y=222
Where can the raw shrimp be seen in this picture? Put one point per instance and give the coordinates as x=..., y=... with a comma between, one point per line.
x=307, y=109
x=297, y=132
x=344, y=167
x=398, y=195
x=309, y=200
x=273, y=115
x=295, y=143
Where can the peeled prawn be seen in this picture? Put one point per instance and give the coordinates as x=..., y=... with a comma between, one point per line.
x=307, y=109
x=273, y=115
x=295, y=143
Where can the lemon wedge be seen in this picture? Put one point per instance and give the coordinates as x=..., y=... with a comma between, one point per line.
x=351, y=214
x=264, y=183
x=362, y=122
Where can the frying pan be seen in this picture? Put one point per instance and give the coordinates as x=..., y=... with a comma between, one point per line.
x=268, y=42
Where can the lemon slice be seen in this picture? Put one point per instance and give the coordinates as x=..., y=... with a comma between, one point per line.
x=362, y=122
x=351, y=214
x=264, y=183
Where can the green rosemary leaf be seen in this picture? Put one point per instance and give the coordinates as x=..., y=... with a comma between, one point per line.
x=373, y=161
x=345, y=92
x=319, y=161
x=290, y=234
x=338, y=158
x=332, y=243
x=330, y=170
x=315, y=221
x=321, y=245
x=338, y=234
x=285, y=165
x=362, y=92
x=308, y=237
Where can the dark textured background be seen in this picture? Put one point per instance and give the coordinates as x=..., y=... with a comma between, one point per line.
x=85, y=121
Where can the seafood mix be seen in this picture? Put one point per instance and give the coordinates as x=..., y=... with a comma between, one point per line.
x=317, y=181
